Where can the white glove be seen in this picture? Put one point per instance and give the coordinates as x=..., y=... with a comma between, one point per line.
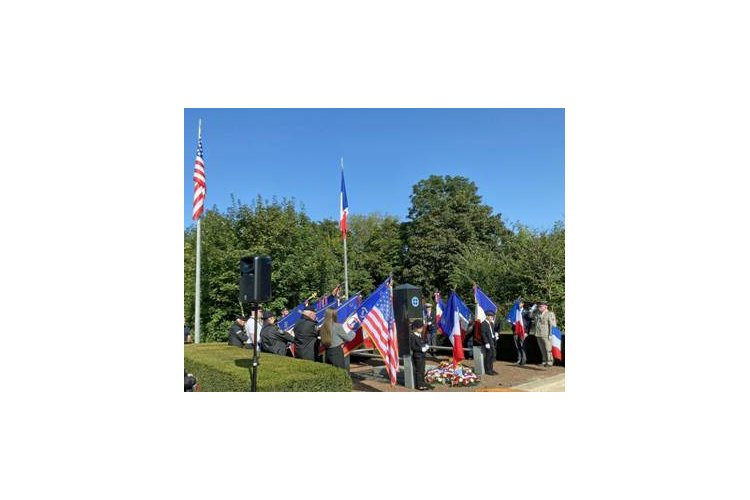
x=486, y=346
x=424, y=348
x=497, y=336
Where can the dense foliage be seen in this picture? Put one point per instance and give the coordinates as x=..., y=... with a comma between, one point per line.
x=449, y=240
x=224, y=368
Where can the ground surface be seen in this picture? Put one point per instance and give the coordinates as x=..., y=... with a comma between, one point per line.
x=366, y=377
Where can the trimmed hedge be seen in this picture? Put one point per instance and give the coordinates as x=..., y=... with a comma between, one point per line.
x=225, y=368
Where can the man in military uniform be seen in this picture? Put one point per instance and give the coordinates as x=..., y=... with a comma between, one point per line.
x=418, y=348
x=542, y=322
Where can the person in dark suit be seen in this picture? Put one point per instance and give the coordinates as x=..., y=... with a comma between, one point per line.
x=237, y=336
x=272, y=339
x=306, y=334
x=429, y=318
x=487, y=332
x=418, y=348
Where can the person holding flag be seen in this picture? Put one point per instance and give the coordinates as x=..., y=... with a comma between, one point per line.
x=451, y=324
x=487, y=331
x=332, y=337
x=518, y=320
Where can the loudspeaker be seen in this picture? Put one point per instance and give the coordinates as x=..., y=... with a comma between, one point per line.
x=255, y=279
x=407, y=306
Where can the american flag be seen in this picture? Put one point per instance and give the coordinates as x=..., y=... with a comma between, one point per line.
x=199, y=179
x=376, y=315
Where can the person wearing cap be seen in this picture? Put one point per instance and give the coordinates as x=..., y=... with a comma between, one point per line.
x=333, y=336
x=429, y=318
x=541, y=327
x=306, y=334
x=489, y=345
x=237, y=336
x=418, y=348
x=273, y=340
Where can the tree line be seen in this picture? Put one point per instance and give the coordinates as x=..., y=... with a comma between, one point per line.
x=449, y=240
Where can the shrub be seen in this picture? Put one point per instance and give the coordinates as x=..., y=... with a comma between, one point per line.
x=225, y=368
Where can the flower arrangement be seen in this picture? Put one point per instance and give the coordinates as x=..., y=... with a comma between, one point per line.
x=446, y=374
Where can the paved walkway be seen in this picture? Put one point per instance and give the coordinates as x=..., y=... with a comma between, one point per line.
x=555, y=383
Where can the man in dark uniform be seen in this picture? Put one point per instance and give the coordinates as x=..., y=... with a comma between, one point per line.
x=272, y=339
x=237, y=335
x=418, y=348
x=487, y=332
x=429, y=317
x=306, y=334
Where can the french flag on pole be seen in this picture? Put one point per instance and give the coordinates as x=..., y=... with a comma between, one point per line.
x=343, y=204
x=556, y=343
x=439, y=308
x=450, y=323
x=515, y=318
x=484, y=305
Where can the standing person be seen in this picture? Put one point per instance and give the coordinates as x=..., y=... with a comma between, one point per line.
x=186, y=332
x=333, y=336
x=418, y=348
x=519, y=334
x=487, y=332
x=429, y=318
x=237, y=336
x=306, y=334
x=542, y=322
x=284, y=312
x=273, y=340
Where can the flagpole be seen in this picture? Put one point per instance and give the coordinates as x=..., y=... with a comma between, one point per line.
x=346, y=266
x=198, y=272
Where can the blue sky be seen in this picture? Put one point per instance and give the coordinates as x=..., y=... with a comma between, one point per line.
x=515, y=156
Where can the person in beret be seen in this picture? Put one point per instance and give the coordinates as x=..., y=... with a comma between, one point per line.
x=306, y=334
x=273, y=340
x=237, y=336
x=418, y=348
x=541, y=327
x=489, y=345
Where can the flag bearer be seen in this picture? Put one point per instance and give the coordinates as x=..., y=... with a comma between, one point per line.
x=418, y=348
x=487, y=331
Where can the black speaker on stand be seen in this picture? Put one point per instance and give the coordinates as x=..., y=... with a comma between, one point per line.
x=255, y=288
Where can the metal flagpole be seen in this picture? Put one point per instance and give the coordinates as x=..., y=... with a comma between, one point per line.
x=198, y=272
x=346, y=268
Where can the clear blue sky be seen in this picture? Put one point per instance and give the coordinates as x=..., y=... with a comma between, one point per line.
x=515, y=156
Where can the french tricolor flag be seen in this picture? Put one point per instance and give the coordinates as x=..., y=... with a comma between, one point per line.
x=515, y=318
x=556, y=343
x=343, y=204
x=438, y=311
x=450, y=323
x=484, y=305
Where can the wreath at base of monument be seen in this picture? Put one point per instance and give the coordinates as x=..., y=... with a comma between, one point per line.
x=446, y=374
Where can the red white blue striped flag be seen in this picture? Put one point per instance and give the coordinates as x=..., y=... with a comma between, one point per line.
x=199, y=179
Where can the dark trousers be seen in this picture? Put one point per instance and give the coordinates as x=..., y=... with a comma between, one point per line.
x=418, y=370
x=520, y=349
x=489, y=358
x=335, y=357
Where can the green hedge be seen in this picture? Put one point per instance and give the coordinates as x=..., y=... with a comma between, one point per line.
x=225, y=368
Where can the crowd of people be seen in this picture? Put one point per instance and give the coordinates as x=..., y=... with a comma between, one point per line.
x=324, y=343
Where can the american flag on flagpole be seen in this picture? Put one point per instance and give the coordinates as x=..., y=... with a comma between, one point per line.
x=199, y=180
x=376, y=315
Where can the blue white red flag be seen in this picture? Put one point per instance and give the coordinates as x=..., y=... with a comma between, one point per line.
x=484, y=305
x=378, y=322
x=450, y=323
x=343, y=204
x=556, y=343
x=287, y=322
x=348, y=317
x=515, y=318
x=199, y=179
x=439, y=308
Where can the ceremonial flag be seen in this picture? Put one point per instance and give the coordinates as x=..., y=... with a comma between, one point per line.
x=515, y=318
x=450, y=323
x=376, y=315
x=199, y=180
x=556, y=343
x=348, y=317
x=439, y=308
x=483, y=305
x=343, y=206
